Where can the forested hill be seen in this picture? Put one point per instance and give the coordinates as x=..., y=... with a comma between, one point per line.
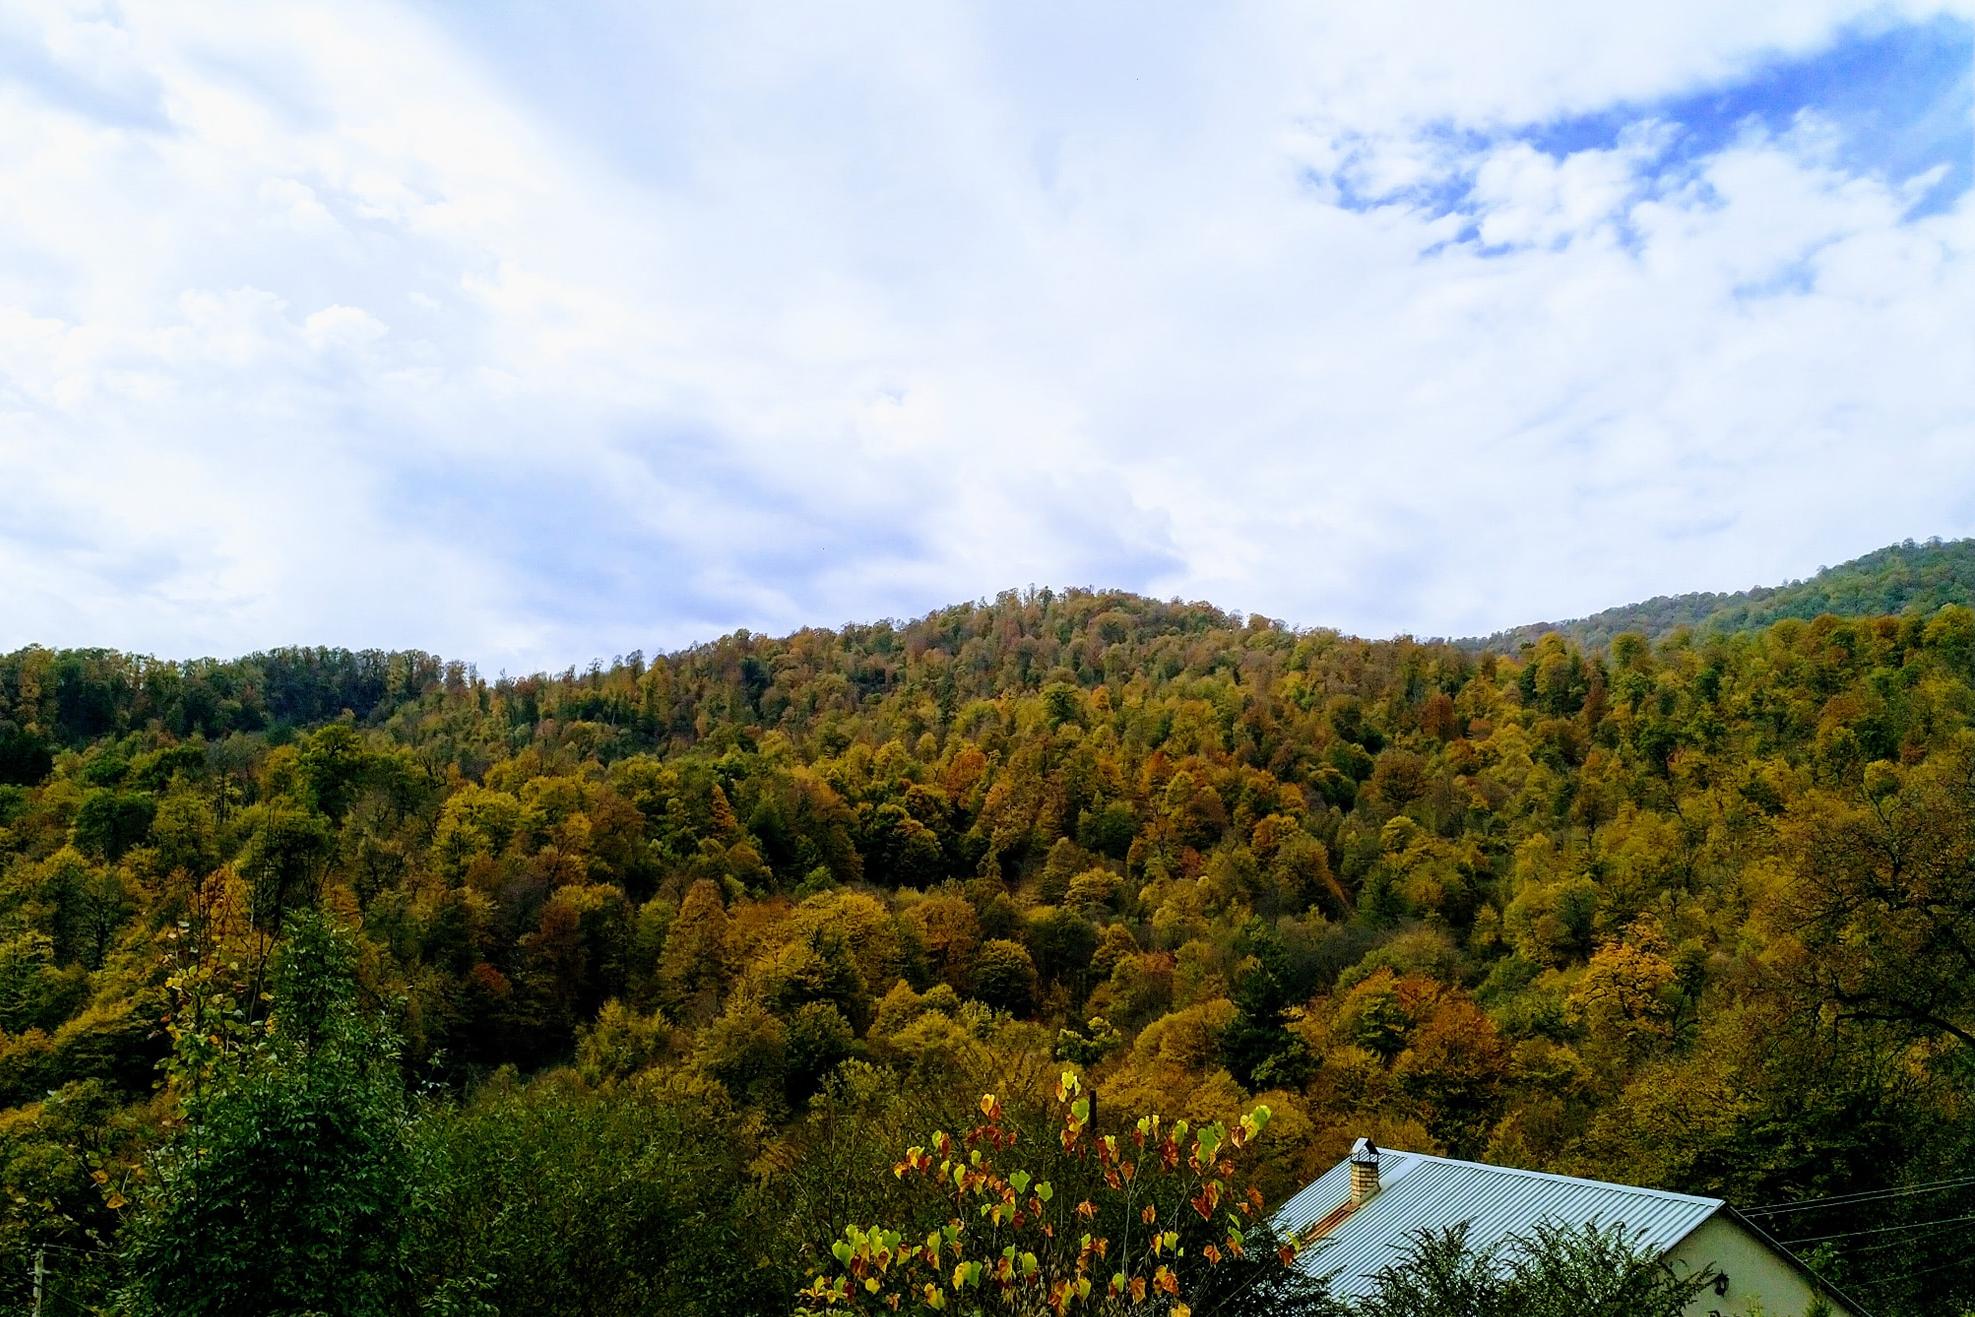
x=52, y=700
x=662, y=963
x=1901, y=578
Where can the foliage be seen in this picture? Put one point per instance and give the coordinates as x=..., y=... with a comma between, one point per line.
x=1045, y=1214
x=1552, y=1271
x=553, y=1197
x=1900, y=578
x=282, y=1188
x=1889, y=933
x=1685, y=910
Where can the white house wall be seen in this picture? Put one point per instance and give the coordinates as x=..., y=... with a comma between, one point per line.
x=1755, y=1275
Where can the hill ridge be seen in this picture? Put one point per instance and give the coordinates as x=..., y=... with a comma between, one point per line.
x=1908, y=577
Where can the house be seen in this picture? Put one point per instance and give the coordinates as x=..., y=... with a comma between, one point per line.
x=1368, y=1206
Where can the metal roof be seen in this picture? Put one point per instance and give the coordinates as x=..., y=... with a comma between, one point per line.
x=1419, y=1192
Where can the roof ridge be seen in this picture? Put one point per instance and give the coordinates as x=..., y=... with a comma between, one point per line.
x=1555, y=1177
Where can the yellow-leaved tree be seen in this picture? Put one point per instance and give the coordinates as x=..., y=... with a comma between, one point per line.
x=1033, y=1212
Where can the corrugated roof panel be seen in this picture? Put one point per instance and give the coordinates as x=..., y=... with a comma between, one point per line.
x=1419, y=1192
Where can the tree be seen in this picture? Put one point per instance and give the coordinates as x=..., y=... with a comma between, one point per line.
x=1005, y=976
x=285, y=859
x=695, y=962
x=1032, y=1211
x=1440, y=1275
x=818, y=1039
x=1550, y=1271
x=949, y=931
x=1627, y=994
x=111, y=822
x=1454, y=1066
x=899, y=849
x=1691, y=917
x=746, y=1051
x=333, y=767
x=1064, y=942
x=1261, y=1052
x=1884, y=898
x=28, y=982
x=551, y=1197
x=283, y=1187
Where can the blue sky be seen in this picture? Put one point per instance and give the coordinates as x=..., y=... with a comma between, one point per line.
x=529, y=332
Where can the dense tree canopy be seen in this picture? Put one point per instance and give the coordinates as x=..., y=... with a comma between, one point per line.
x=1692, y=912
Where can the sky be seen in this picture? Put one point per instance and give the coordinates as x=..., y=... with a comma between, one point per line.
x=529, y=333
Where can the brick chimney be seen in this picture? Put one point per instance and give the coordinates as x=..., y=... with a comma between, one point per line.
x=1364, y=1172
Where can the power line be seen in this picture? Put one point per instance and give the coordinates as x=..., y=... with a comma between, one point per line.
x=1879, y=1230
x=1805, y=1204
x=1918, y=1242
x=1904, y=1275
x=1811, y=1204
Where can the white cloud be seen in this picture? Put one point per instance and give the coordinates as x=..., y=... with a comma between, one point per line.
x=1528, y=197
x=345, y=326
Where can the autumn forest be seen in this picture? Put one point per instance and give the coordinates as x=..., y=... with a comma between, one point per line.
x=624, y=990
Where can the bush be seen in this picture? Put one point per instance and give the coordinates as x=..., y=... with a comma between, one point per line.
x=553, y=1197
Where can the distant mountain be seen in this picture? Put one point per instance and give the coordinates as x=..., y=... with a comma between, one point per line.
x=1900, y=578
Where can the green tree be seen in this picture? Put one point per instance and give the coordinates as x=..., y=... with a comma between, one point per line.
x=1551, y=1271
x=334, y=767
x=283, y=1187
x=110, y=822
x=1005, y=976
x=1260, y=1050
x=285, y=859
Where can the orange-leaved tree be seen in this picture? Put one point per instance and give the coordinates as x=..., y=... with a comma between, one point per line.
x=1033, y=1212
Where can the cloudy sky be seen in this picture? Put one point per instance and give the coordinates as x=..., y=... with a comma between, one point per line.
x=532, y=332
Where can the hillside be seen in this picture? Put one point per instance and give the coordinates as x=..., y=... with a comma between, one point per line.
x=661, y=963
x=1908, y=578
